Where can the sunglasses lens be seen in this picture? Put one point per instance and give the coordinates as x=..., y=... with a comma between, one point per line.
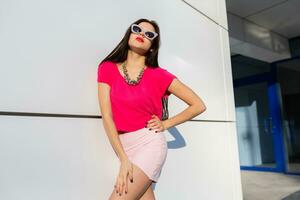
x=136, y=29
x=149, y=34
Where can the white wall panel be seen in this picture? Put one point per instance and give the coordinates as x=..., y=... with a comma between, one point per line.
x=71, y=159
x=228, y=85
x=214, y=9
x=50, y=52
x=54, y=158
x=222, y=11
x=191, y=170
x=51, y=67
x=196, y=57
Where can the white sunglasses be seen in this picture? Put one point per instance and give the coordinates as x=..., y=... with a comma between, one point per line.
x=149, y=34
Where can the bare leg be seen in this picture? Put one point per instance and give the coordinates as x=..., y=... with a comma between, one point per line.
x=149, y=194
x=140, y=185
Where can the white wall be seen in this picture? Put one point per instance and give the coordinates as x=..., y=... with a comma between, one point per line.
x=49, y=56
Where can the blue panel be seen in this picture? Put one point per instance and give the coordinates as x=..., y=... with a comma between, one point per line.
x=265, y=169
x=275, y=112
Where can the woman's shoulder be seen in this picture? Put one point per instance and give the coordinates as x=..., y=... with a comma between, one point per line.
x=106, y=68
x=158, y=69
x=161, y=70
x=106, y=63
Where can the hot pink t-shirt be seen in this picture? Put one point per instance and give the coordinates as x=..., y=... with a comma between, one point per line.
x=133, y=105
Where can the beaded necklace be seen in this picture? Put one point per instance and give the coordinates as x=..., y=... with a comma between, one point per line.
x=127, y=78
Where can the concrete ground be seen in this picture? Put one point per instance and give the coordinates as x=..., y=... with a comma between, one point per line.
x=269, y=186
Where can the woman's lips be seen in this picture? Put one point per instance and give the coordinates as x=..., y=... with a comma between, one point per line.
x=139, y=39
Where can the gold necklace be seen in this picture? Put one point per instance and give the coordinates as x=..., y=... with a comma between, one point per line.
x=127, y=78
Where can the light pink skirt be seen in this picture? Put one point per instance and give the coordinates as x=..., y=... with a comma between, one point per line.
x=146, y=149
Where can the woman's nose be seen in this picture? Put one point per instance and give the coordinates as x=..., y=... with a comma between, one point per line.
x=142, y=33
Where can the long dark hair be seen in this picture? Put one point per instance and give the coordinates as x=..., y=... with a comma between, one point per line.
x=119, y=54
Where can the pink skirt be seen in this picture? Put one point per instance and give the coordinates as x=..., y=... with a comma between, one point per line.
x=146, y=149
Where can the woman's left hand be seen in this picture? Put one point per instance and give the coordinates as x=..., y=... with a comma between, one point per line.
x=156, y=124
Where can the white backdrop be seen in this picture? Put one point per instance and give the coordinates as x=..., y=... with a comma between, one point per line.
x=50, y=51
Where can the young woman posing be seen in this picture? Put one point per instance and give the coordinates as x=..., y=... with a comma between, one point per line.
x=132, y=92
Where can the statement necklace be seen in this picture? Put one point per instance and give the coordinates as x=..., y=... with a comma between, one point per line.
x=132, y=81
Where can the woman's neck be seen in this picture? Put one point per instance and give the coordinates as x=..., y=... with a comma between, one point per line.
x=135, y=61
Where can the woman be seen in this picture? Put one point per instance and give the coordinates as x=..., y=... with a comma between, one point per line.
x=131, y=87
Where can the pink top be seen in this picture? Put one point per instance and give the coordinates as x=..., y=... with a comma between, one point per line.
x=133, y=105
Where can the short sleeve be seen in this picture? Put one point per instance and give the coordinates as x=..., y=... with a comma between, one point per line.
x=166, y=79
x=105, y=73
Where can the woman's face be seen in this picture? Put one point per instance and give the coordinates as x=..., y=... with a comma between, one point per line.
x=138, y=42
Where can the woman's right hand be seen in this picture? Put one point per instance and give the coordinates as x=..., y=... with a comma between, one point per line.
x=125, y=173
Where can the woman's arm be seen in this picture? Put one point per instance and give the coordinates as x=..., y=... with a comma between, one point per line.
x=108, y=123
x=183, y=92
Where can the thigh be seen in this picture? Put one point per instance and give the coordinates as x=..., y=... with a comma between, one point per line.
x=136, y=189
x=149, y=194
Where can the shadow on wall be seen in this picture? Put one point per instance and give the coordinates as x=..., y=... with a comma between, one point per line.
x=178, y=141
